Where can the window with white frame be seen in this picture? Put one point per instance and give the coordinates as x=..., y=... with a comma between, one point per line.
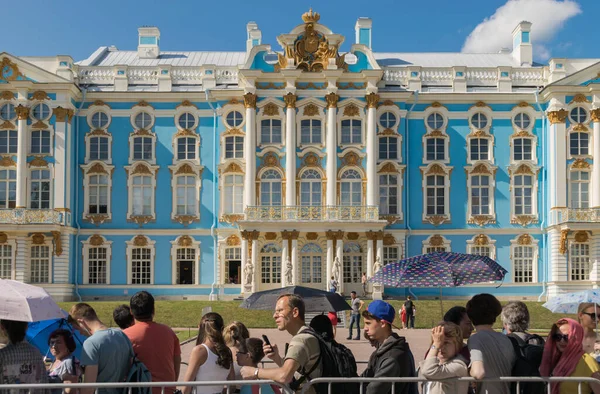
x=390, y=255
x=388, y=194
x=579, y=144
x=97, y=262
x=522, y=120
x=233, y=263
x=481, y=194
x=351, y=188
x=435, y=148
x=8, y=141
x=311, y=191
x=270, y=267
x=270, y=188
x=311, y=131
x=185, y=266
x=523, y=260
x=40, y=142
x=351, y=131
x=388, y=148
x=353, y=262
x=234, y=194
x=435, y=121
x=578, y=115
x=39, y=271
x=41, y=112
x=435, y=249
x=186, y=121
x=143, y=120
x=40, y=189
x=270, y=131
x=186, y=148
x=479, y=149
x=579, y=261
x=99, y=120
x=387, y=120
x=99, y=148
x=142, y=195
x=234, y=119
x=141, y=266
x=522, y=149
x=234, y=147
x=8, y=112
x=523, y=194
x=8, y=189
x=311, y=263
x=186, y=196
x=579, y=187
x=480, y=250
x=481, y=245
x=98, y=189
x=143, y=148
x=435, y=244
x=435, y=191
x=479, y=120
x=6, y=261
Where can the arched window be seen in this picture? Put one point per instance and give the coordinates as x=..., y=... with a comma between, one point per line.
x=270, y=259
x=312, y=261
x=351, y=131
x=310, y=131
x=579, y=187
x=270, y=188
x=311, y=188
x=579, y=144
x=234, y=194
x=353, y=262
x=351, y=188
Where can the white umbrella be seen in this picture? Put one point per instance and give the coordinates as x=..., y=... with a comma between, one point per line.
x=22, y=302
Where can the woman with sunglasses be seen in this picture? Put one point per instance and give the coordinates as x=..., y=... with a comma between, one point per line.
x=588, y=314
x=65, y=366
x=564, y=357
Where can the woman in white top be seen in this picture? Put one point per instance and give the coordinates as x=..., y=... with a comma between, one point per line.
x=235, y=334
x=210, y=359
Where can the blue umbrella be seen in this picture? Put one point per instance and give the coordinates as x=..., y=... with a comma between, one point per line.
x=569, y=302
x=39, y=332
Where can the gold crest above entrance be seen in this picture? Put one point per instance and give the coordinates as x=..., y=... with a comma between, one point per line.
x=311, y=51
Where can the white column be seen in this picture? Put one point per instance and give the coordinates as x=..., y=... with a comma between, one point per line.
x=290, y=149
x=295, y=279
x=558, y=261
x=371, y=143
x=370, y=257
x=558, y=159
x=244, y=257
x=250, y=150
x=284, y=257
x=595, y=259
x=22, y=134
x=596, y=156
x=340, y=255
x=60, y=157
x=255, y=281
x=329, y=263
x=331, y=146
x=380, y=249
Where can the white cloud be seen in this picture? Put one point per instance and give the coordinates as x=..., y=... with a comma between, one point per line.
x=546, y=16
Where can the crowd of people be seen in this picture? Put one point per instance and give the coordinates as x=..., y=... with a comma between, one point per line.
x=228, y=352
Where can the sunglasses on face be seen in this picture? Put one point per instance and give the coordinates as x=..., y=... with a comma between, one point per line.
x=560, y=337
x=592, y=315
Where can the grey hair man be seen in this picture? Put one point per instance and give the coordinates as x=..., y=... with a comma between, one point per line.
x=515, y=319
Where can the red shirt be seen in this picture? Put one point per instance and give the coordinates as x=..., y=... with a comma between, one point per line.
x=333, y=317
x=155, y=345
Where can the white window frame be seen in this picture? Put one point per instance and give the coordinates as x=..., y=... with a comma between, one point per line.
x=523, y=136
x=196, y=145
x=274, y=255
x=44, y=119
x=50, y=169
x=136, y=170
x=131, y=245
x=585, y=107
x=436, y=133
x=144, y=134
x=92, y=111
x=139, y=109
x=50, y=131
x=108, y=171
x=387, y=259
x=88, y=145
x=389, y=136
x=87, y=245
x=223, y=190
x=360, y=117
x=13, y=256
x=391, y=131
x=589, y=185
x=580, y=131
x=480, y=135
x=524, y=132
x=177, y=244
x=311, y=119
x=481, y=169
x=398, y=186
x=300, y=116
x=47, y=243
x=427, y=247
x=311, y=181
x=441, y=170
x=8, y=140
x=8, y=181
x=482, y=241
x=234, y=151
x=360, y=181
x=573, y=245
x=227, y=109
x=182, y=170
x=280, y=116
x=529, y=170
x=261, y=181
x=515, y=243
x=182, y=110
x=350, y=273
x=311, y=268
x=9, y=119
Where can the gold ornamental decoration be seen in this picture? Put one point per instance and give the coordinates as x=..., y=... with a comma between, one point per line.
x=595, y=115
x=9, y=71
x=580, y=164
x=524, y=220
x=352, y=236
x=250, y=235
x=351, y=159
x=185, y=133
x=481, y=169
x=310, y=110
x=559, y=116
x=351, y=110
x=7, y=161
x=312, y=236
x=6, y=95
x=142, y=169
x=184, y=241
x=233, y=240
x=388, y=168
x=57, y=243
x=140, y=241
x=231, y=218
x=290, y=100
x=271, y=110
x=580, y=127
x=372, y=100
x=563, y=247
x=250, y=100
x=311, y=52
x=97, y=169
x=140, y=220
x=97, y=218
x=38, y=161
x=39, y=95
x=436, y=240
x=233, y=167
x=581, y=236
x=481, y=220
x=186, y=220
x=38, y=238
x=270, y=236
x=96, y=240
x=524, y=169
x=332, y=100
x=523, y=104
x=7, y=125
x=436, y=220
x=3, y=238
x=185, y=169
x=143, y=103
x=186, y=103
x=99, y=103
x=436, y=169
x=389, y=239
x=61, y=114
x=22, y=112
x=525, y=239
x=481, y=240
x=579, y=98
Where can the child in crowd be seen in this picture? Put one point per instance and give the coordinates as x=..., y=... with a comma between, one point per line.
x=250, y=353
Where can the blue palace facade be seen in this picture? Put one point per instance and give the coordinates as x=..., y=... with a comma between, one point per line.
x=217, y=174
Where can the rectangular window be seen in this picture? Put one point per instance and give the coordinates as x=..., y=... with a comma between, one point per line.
x=580, y=189
x=98, y=198
x=8, y=189
x=40, y=189
x=234, y=194
x=353, y=269
x=40, y=264
x=97, y=264
x=270, y=131
x=579, y=144
x=523, y=264
x=436, y=195
x=8, y=141
x=479, y=149
x=186, y=148
x=351, y=131
x=40, y=142
x=270, y=193
x=351, y=193
x=98, y=148
x=523, y=149
x=435, y=149
x=311, y=269
x=142, y=148
x=234, y=147
x=390, y=255
x=480, y=195
x=388, y=148
x=186, y=195
x=481, y=251
x=271, y=269
x=523, y=194
x=579, y=254
x=388, y=194
x=141, y=266
x=142, y=196
x=6, y=261
x=186, y=266
x=310, y=131
x=435, y=249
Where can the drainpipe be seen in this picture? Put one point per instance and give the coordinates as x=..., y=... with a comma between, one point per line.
x=213, y=296
x=407, y=186
x=76, y=209
x=544, y=203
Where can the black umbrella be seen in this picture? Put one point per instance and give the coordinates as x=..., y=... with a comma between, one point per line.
x=315, y=300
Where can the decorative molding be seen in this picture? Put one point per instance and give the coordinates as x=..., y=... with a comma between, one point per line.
x=522, y=133
x=271, y=109
x=140, y=220
x=7, y=161
x=233, y=240
x=185, y=241
x=436, y=220
x=579, y=98
x=186, y=103
x=480, y=104
x=140, y=241
x=290, y=100
x=312, y=236
x=523, y=104
x=372, y=100
x=595, y=115
x=524, y=220
x=233, y=132
x=352, y=236
x=185, y=133
x=482, y=220
x=96, y=240
x=436, y=169
x=231, y=218
x=57, y=243
x=9, y=71
x=480, y=169
x=351, y=85
x=185, y=169
x=250, y=100
x=559, y=116
x=436, y=240
x=270, y=236
x=310, y=110
x=99, y=132
x=97, y=169
x=233, y=101
x=186, y=220
x=351, y=159
x=22, y=112
x=97, y=218
x=38, y=161
x=580, y=127
x=143, y=103
x=332, y=100
x=580, y=164
x=525, y=239
x=3, y=238
x=388, y=132
x=523, y=169
x=391, y=219
x=481, y=240
x=7, y=125
x=38, y=238
x=437, y=104
x=333, y=234
x=351, y=110
x=142, y=169
x=232, y=167
x=40, y=124
x=6, y=95
x=99, y=103
x=582, y=236
x=388, y=168
x=250, y=235
x=310, y=85
x=142, y=132
x=39, y=95
x=389, y=239
x=564, y=244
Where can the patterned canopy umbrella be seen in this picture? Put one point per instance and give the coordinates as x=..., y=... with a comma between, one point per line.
x=569, y=302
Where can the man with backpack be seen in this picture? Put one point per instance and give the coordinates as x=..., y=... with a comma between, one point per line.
x=392, y=358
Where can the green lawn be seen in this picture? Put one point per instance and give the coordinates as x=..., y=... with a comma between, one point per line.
x=184, y=314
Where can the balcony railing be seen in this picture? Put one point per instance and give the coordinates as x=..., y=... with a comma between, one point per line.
x=574, y=215
x=32, y=216
x=313, y=213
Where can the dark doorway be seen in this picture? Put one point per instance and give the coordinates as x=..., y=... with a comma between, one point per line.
x=186, y=272
x=235, y=270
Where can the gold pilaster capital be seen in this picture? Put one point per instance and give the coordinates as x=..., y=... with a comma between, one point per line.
x=250, y=100
x=334, y=235
x=61, y=114
x=290, y=100
x=372, y=100
x=22, y=112
x=559, y=116
x=332, y=100
x=250, y=235
x=595, y=115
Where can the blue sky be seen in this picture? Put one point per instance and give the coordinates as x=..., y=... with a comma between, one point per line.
x=562, y=28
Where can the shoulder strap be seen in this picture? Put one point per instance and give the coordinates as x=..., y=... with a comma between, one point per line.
x=304, y=373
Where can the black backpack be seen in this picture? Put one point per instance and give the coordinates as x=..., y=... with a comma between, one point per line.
x=337, y=361
x=527, y=362
x=138, y=373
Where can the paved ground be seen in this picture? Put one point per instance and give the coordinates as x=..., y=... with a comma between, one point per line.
x=419, y=341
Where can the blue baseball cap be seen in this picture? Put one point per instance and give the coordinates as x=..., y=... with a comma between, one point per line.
x=382, y=310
